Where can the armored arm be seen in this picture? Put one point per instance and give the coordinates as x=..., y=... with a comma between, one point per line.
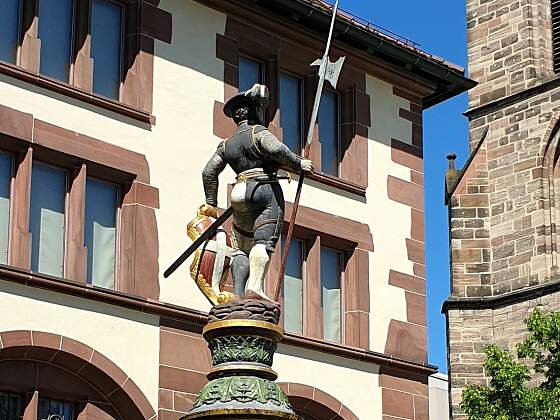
x=213, y=168
x=271, y=148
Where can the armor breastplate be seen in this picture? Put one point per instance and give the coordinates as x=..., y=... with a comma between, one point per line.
x=241, y=153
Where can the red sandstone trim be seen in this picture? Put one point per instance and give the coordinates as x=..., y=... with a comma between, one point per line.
x=315, y=402
x=85, y=362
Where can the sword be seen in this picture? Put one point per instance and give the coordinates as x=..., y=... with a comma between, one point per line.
x=207, y=234
x=327, y=71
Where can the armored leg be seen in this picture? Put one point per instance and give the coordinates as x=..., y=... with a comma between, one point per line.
x=242, y=245
x=267, y=228
x=259, y=259
x=240, y=273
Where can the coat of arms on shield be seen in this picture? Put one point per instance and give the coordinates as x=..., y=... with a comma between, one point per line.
x=212, y=260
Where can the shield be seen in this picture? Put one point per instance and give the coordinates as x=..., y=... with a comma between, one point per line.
x=212, y=260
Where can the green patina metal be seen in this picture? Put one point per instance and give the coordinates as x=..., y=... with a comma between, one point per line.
x=241, y=383
x=238, y=348
x=243, y=389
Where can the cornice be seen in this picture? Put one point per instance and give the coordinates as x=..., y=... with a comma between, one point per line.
x=499, y=301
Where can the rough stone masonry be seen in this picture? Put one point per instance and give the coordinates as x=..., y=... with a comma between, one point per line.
x=502, y=204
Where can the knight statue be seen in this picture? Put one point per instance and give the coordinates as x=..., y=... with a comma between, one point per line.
x=256, y=155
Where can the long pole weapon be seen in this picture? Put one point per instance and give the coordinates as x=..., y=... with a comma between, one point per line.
x=327, y=71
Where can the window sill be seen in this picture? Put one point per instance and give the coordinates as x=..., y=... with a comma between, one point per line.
x=339, y=183
x=76, y=93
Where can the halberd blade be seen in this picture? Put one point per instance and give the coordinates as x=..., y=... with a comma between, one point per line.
x=333, y=71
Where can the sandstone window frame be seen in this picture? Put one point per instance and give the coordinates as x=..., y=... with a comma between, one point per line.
x=77, y=172
x=137, y=268
x=142, y=23
x=81, y=406
x=317, y=229
x=313, y=243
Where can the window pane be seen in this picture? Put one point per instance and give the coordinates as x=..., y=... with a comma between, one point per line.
x=9, y=30
x=290, y=111
x=55, y=33
x=328, y=133
x=250, y=72
x=100, y=232
x=5, y=184
x=48, y=407
x=293, y=288
x=330, y=294
x=10, y=406
x=106, y=47
x=46, y=219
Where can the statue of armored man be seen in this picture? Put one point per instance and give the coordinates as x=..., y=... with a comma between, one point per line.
x=256, y=155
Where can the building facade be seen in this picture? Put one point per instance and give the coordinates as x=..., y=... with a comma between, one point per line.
x=438, y=384
x=109, y=111
x=503, y=203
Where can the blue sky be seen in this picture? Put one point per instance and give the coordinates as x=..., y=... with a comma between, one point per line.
x=439, y=26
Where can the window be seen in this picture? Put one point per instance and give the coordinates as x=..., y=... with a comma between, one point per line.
x=329, y=133
x=50, y=409
x=55, y=33
x=5, y=187
x=291, y=112
x=47, y=219
x=10, y=406
x=293, y=288
x=79, y=220
x=9, y=30
x=250, y=72
x=64, y=29
x=106, y=47
x=331, y=297
x=312, y=292
x=101, y=232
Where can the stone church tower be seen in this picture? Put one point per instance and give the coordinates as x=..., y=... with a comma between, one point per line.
x=504, y=204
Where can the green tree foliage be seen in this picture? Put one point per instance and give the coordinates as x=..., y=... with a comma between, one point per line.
x=509, y=397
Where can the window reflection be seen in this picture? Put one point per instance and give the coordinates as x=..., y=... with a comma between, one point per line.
x=46, y=219
x=106, y=47
x=250, y=72
x=329, y=133
x=331, y=299
x=293, y=288
x=9, y=29
x=55, y=33
x=101, y=232
x=5, y=184
x=290, y=111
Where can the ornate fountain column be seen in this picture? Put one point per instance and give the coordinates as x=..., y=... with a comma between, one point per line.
x=242, y=337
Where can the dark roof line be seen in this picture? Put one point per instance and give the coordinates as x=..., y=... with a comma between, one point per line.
x=379, y=30
x=449, y=78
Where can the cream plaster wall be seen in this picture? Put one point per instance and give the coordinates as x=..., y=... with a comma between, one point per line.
x=107, y=329
x=353, y=383
x=386, y=302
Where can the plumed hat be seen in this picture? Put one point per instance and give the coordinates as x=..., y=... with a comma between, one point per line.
x=258, y=94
